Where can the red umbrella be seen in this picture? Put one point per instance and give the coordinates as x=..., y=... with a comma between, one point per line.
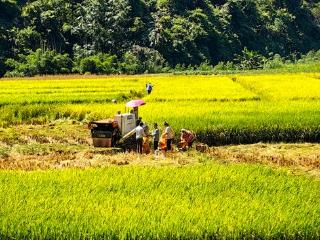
x=135, y=103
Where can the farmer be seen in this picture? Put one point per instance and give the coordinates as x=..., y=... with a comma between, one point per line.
x=116, y=134
x=169, y=135
x=139, y=121
x=149, y=88
x=136, y=112
x=186, y=139
x=156, y=137
x=139, y=137
x=146, y=140
x=163, y=143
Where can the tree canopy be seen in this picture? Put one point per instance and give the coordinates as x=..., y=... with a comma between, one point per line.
x=169, y=32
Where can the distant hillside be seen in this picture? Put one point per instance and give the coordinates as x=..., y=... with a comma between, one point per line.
x=135, y=33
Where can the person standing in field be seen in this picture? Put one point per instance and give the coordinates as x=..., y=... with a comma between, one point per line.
x=156, y=137
x=139, y=121
x=136, y=112
x=169, y=135
x=149, y=88
x=139, y=137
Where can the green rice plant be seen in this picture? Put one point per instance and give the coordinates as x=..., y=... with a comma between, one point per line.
x=212, y=200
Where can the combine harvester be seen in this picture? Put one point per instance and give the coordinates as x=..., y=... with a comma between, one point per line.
x=117, y=131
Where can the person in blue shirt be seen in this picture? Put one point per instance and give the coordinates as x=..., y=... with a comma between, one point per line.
x=149, y=88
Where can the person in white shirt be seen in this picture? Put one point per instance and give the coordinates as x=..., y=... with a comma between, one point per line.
x=139, y=137
x=169, y=135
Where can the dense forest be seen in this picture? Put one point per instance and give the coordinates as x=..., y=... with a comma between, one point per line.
x=134, y=36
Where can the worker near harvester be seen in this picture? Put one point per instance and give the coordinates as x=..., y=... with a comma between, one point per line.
x=186, y=139
x=146, y=140
x=156, y=137
x=139, y=120
x=139, y=137
x=169, y=136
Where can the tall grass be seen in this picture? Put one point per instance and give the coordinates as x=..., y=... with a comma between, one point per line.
x=208, y=201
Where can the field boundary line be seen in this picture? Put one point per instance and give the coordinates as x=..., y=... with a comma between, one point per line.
x=253, y=90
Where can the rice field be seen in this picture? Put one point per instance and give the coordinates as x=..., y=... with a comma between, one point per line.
x=55, y=185
x=221, y=109
x=210, y=201
x=283, y=87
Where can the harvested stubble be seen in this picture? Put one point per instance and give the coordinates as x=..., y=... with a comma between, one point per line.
x=67, y=145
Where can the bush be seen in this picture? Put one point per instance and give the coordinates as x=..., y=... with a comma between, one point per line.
x=38, y=63
x=180, y=67
x=222, y=66
x=205, y=67
x=88, y=65
x=310, y=57
x=142, y=60
x=249, y=60
x=131, y=64
x=100, y=64
x=274, y=62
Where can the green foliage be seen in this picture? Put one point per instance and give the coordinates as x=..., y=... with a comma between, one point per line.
x=130, y=63
x=205, y=67
x=8, y=18
x=100, y=63
x=52, y=21
x=275, y=62
x=103, y=24
x=310, y=57
x=26, y=39
x=250, y=60
x=142, y=60
x=154, y=33
x=39, y=63
x=224, y=66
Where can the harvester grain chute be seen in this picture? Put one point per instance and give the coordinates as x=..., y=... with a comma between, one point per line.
x=117, y=131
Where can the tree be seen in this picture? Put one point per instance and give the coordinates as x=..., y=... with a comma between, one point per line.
x=104, y=24
x=153, y=33
x=9, y=15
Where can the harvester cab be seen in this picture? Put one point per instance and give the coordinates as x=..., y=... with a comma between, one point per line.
x=111, y=132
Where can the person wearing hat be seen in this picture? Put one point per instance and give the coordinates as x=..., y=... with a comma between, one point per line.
x=169, y=135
